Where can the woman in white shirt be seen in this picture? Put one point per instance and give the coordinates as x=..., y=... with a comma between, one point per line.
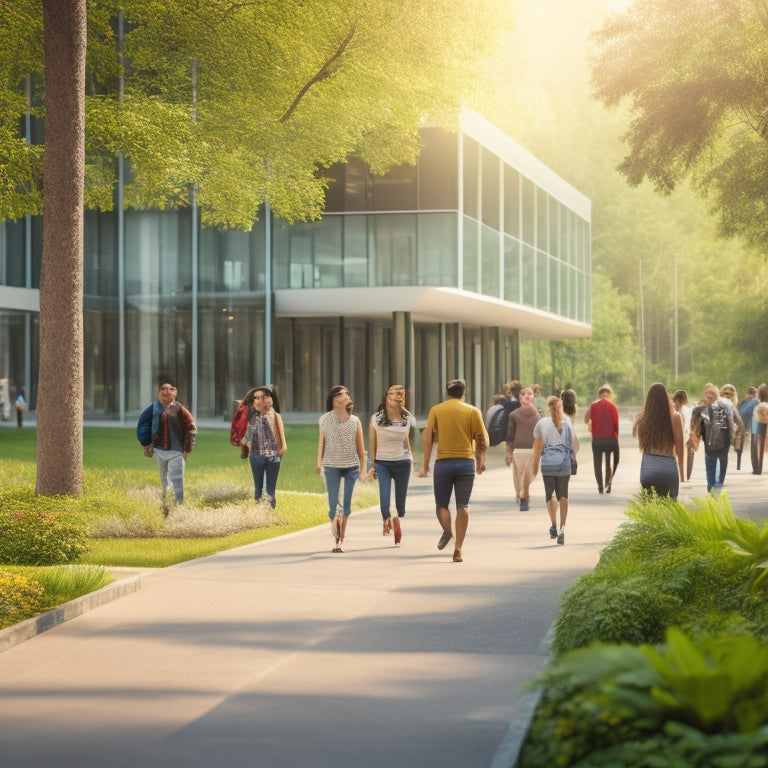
x=390, y=446
x=340, y=456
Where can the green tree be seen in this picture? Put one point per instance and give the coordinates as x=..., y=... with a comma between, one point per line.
x=227, y=102
x=695, y=73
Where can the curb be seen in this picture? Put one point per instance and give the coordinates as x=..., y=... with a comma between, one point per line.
x=28, y=628
x=508, y=752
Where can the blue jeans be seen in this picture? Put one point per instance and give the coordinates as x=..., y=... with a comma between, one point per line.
x=386, y=472
x=262, y=466
x=333, y=477
x=715, y=479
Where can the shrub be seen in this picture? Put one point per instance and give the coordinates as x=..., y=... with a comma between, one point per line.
x=20, y=597
x=188, y=521
x=39, y=530
x=693, y=697
x=669, y=564
x=634, y=610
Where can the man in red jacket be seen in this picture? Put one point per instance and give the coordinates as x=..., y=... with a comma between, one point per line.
x=604, y=427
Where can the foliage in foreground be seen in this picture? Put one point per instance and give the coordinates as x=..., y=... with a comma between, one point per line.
x=687, y=702
x=26, y=592
x=40, y=530
x=699, y=568
x=662, y=650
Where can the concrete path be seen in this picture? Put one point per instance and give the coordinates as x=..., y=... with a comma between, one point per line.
x=282, y=654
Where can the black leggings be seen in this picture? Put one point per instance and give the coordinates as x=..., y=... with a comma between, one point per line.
x=610, y=447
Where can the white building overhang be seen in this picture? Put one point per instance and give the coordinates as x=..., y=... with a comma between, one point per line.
x=20, y=299
x=427, y=304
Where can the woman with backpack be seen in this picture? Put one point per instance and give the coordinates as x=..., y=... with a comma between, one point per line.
x=265, y=441
x=718, y=420
x=659, y=431
x=553, y=452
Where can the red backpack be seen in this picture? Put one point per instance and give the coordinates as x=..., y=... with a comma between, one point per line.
x=239, y=425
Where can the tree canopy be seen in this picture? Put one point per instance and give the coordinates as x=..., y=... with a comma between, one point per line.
x=695, y=76
x=244, y=100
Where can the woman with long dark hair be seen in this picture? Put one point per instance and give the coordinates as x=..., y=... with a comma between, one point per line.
x=659, y=431
x=389, y=442
x=340, y=456
x=265, y=441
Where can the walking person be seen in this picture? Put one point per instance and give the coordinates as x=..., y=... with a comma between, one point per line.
x=745, y=408
x=340, y=456
x=604, y=428
x=682, y=406
x=265, y=441
x=21, y=406
x=519, y=446
x=389, y=444
x=758, y=430
x=462, y=443
x=716, y=419
x=553, y=453
x=728, y=391
x=659, y=431
x=167, y=431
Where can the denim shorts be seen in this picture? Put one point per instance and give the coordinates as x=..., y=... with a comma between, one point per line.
x=453, y=475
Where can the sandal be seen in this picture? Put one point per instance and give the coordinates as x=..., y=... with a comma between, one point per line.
x=387, y=526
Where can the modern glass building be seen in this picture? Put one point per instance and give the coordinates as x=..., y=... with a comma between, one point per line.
x=432, y=271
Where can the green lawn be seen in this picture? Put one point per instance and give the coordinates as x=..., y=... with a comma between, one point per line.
x=121, y=491
x=119, y=482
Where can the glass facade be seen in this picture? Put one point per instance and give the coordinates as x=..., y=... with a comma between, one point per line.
x=166, y=297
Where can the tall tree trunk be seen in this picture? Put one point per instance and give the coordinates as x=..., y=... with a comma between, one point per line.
x=60, y=388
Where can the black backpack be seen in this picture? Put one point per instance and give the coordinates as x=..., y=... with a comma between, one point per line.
x=717, y=428
x=497, y=420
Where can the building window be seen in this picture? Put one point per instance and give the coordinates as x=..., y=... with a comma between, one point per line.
x=438, y=171
x=469, y=272
x=471, y=172
x=490, y=199
x=511, y=202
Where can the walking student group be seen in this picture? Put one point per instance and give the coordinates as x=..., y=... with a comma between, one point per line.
x=538, y=434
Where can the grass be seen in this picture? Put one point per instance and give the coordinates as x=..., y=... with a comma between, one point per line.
x=120, y=499
x=121, y=495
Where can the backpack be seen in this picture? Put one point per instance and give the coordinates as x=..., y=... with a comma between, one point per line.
x=497, y=421
x=239, y=425
x=717, y=429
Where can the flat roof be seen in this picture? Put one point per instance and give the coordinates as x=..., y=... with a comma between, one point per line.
x=431, y=304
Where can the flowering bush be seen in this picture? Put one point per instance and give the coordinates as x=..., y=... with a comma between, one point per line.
x=30, y=536
x=19, y=597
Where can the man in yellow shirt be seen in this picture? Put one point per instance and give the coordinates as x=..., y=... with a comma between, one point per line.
x=462, y=442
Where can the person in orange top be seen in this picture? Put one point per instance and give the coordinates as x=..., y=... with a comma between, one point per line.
x=462, y=442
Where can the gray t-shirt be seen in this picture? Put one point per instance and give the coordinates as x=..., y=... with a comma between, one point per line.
x=547, y=431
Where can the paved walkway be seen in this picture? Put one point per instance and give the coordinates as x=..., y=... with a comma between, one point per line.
x=284, y=655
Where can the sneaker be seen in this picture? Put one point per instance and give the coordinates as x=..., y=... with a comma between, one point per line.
x=561, y=538
x=552, y=532
x=457, y=558
x=523, y=505
x=398, y=530
x=444, y=539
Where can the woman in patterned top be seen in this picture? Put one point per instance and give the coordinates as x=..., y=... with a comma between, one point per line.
x=265, y=440
x=340, y=455
x=390, y=447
